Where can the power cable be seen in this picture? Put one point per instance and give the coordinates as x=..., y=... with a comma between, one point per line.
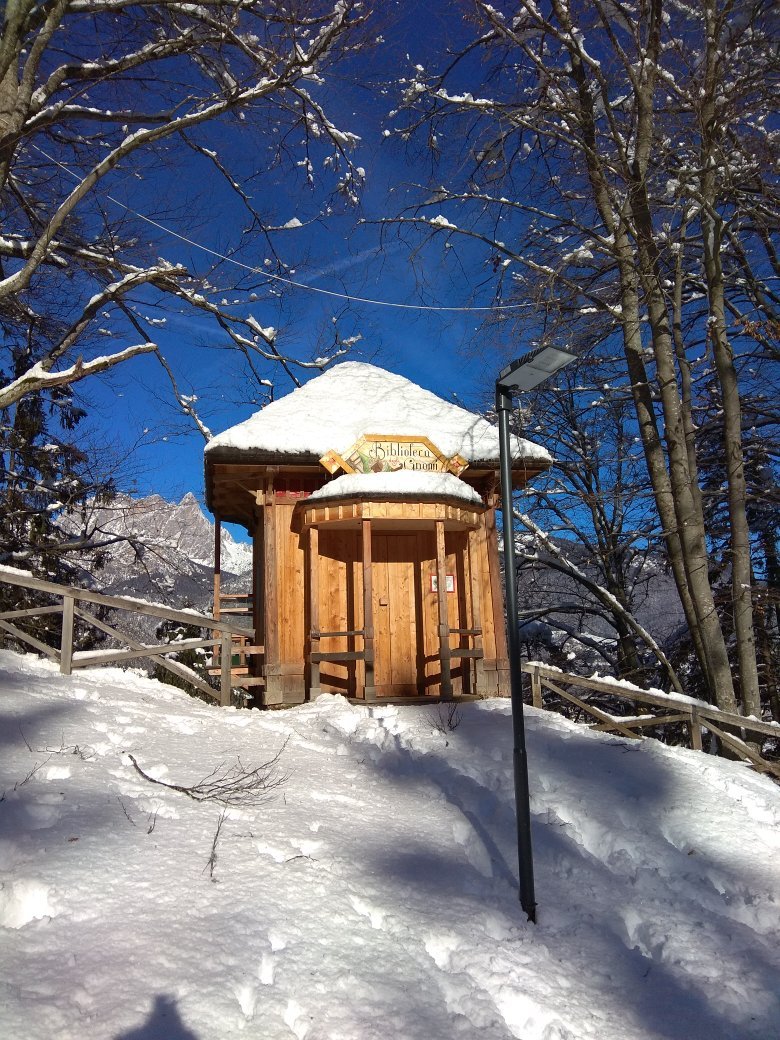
x=277, y=277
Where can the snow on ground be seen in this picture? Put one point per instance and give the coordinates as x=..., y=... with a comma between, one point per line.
x=374, y=894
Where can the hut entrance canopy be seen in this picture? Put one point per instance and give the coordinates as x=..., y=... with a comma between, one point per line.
x=371, y=503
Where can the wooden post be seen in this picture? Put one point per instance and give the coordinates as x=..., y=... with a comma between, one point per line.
x=536, y=688
x=695, y=728
x=224, y=682
x=273, y=679
x=314, y=611
x=217, y=565
x=369, y=687
x=472, y=558
x=255, y=662
x=497, y=596
x=217, y=581
x=444, y=622
x=66, y=644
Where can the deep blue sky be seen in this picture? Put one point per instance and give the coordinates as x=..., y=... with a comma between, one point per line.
x=441, y=351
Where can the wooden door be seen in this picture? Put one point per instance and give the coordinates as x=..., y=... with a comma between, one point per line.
x=400, y=615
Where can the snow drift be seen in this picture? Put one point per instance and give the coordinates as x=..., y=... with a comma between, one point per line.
x=374, y=894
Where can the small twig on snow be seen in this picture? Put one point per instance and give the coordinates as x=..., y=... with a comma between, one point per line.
x=229, y=785
x=211, y=863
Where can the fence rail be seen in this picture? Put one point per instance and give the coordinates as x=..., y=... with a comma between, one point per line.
x=222, y=632
x=695, y=714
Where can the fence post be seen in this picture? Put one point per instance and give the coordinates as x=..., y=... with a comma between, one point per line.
x=66, y=642
x=695, y=727
x=225, y=656
x=536, y=688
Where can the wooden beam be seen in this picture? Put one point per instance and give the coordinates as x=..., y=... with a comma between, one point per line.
x=642, y=721
x=9, y=615
x=761, y=764
x=444, y=624
x=670, y=702
x=84, y=660
x=591, y=710
x=171, y=666
x=25, y=637
x=346, y=635
x=137, y=606
x=338, y=655
x=369, y=687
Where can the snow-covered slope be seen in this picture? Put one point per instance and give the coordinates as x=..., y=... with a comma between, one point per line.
x=373, y=895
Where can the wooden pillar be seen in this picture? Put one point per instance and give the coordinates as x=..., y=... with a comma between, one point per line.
x=497, y=596
x=472, y=561
x=444, y=622
x=369, y=688
x=215, y=610
x=536, y=688
x=255, y=663
x=314, y=611
x=225, y=678
x=273, y=678
x=217, y=565
x=695, y=729
x=66, y=642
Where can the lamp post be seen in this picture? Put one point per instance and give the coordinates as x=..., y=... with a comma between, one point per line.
x=525, y=373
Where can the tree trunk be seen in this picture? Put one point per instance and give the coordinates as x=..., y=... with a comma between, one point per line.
x=712, y=226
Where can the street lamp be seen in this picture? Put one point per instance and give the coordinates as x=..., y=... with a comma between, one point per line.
x=525, y=373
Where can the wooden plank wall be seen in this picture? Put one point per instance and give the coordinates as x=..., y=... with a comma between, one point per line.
x=404, y=607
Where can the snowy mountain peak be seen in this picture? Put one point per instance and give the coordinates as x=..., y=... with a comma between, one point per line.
x=166, y=549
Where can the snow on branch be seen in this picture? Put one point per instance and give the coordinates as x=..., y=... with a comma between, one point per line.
x=38, y=378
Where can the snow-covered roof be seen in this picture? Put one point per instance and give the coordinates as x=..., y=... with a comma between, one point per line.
x=331, y=412
x=402, y=484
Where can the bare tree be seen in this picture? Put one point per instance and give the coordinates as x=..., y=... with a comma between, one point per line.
x=592, y=530
x=97, y=94
x=618, y=175
x=122, y=122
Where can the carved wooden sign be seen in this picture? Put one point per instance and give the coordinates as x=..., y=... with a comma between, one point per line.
x=383, y=453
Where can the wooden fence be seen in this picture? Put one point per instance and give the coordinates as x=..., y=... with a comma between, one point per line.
x=695, y=714
x=71, y=607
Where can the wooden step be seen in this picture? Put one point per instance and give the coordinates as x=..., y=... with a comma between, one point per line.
x=250, y=680
x=338, y=655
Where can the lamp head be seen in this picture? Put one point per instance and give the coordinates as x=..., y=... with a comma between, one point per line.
x=533, y=368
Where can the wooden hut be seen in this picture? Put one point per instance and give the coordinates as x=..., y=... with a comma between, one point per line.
x=371, y=504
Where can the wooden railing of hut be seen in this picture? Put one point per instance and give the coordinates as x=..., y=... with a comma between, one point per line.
x=730, y=729
x=71, y=605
